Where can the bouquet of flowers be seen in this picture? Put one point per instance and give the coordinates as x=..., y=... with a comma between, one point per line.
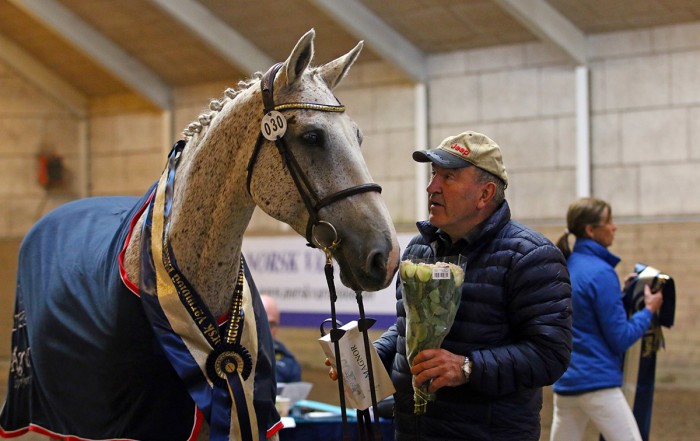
x=431, y=294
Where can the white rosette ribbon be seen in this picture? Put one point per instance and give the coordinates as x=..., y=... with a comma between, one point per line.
x=431, y=295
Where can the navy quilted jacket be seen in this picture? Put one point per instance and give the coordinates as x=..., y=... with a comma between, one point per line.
x=514, y=323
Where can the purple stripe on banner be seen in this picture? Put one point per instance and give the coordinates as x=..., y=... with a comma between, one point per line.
x=314, y=319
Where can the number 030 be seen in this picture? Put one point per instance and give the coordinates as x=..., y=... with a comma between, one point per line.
x=273, y=125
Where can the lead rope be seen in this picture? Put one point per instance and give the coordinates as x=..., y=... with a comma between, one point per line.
x=366, y=430
x=364, y=324
x=336, y=335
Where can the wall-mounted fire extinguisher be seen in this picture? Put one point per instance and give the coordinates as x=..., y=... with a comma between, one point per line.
x=50, y=170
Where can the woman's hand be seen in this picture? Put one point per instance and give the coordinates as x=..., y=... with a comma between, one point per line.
x=652, y=301
x=628, y=280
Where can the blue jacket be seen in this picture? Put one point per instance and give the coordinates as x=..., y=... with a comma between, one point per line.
x=514, y=323
x=602, y=333
x=287, y=368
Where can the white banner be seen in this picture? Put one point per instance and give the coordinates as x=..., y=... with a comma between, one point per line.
x=291, y=272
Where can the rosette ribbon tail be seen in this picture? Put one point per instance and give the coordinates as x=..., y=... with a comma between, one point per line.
x=235, y=389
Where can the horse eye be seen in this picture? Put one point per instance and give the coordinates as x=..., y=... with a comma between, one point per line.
x=359, y=136
x=313, y=137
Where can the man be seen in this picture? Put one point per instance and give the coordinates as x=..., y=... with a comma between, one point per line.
x=287, y=369
x=512, y=331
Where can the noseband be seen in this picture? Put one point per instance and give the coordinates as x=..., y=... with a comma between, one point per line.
x=273, y=128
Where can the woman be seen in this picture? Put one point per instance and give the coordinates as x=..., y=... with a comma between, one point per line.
x=590, y=389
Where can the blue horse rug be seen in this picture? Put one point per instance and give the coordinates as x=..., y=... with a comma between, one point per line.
x=85, y=362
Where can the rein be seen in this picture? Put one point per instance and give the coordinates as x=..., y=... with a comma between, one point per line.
x=273, y=128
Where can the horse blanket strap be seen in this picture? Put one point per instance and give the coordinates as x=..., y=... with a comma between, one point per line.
x=215, y=365
x=308, y=195
x=639, y=372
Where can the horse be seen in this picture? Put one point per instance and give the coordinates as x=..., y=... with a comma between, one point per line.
x=192, y=349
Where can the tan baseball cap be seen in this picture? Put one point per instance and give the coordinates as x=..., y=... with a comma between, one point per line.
x=465, y=149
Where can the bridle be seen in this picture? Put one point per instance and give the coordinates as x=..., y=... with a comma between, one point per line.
x=274, y=131
x=273, y=128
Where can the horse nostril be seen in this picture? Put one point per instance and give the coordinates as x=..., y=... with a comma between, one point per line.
x=376, y=263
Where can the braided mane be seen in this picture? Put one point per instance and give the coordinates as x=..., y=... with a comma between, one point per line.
x=215, y=105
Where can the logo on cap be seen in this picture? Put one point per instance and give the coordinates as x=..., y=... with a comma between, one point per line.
x=463, y=150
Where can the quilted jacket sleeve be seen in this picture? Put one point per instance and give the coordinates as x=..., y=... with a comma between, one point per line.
x=386, y=346
x=539, y=313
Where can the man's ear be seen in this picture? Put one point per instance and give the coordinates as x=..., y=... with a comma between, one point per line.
x=488, y=191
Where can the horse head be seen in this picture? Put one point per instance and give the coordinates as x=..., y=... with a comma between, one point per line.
x=314, y=177
x=309, y=174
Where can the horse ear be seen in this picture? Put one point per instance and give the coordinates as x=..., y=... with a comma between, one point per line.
x=334, y=71
x=300, y=57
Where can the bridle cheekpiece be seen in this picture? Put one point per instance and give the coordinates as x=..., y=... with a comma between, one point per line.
x=273, y=128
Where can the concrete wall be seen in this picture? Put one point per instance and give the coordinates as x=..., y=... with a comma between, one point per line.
x=31, y=124
x=645, y=125
x=645, y=119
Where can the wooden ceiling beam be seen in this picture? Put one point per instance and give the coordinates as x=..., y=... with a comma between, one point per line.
x=32, y=70
x=102, y=50
x=231, y=45
x=383, y=39
x=549, y=25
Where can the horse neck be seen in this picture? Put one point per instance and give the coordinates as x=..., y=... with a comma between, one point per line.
x=211, y=205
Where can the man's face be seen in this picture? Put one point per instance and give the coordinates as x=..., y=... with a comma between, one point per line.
x=273, y=314
x=454, y=198
x=274, y=321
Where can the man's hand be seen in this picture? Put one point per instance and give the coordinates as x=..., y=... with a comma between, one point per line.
x=442, y=367
x=331, y=373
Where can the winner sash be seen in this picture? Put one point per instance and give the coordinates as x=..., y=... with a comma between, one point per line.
x=216, y=365
x=639, y=370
